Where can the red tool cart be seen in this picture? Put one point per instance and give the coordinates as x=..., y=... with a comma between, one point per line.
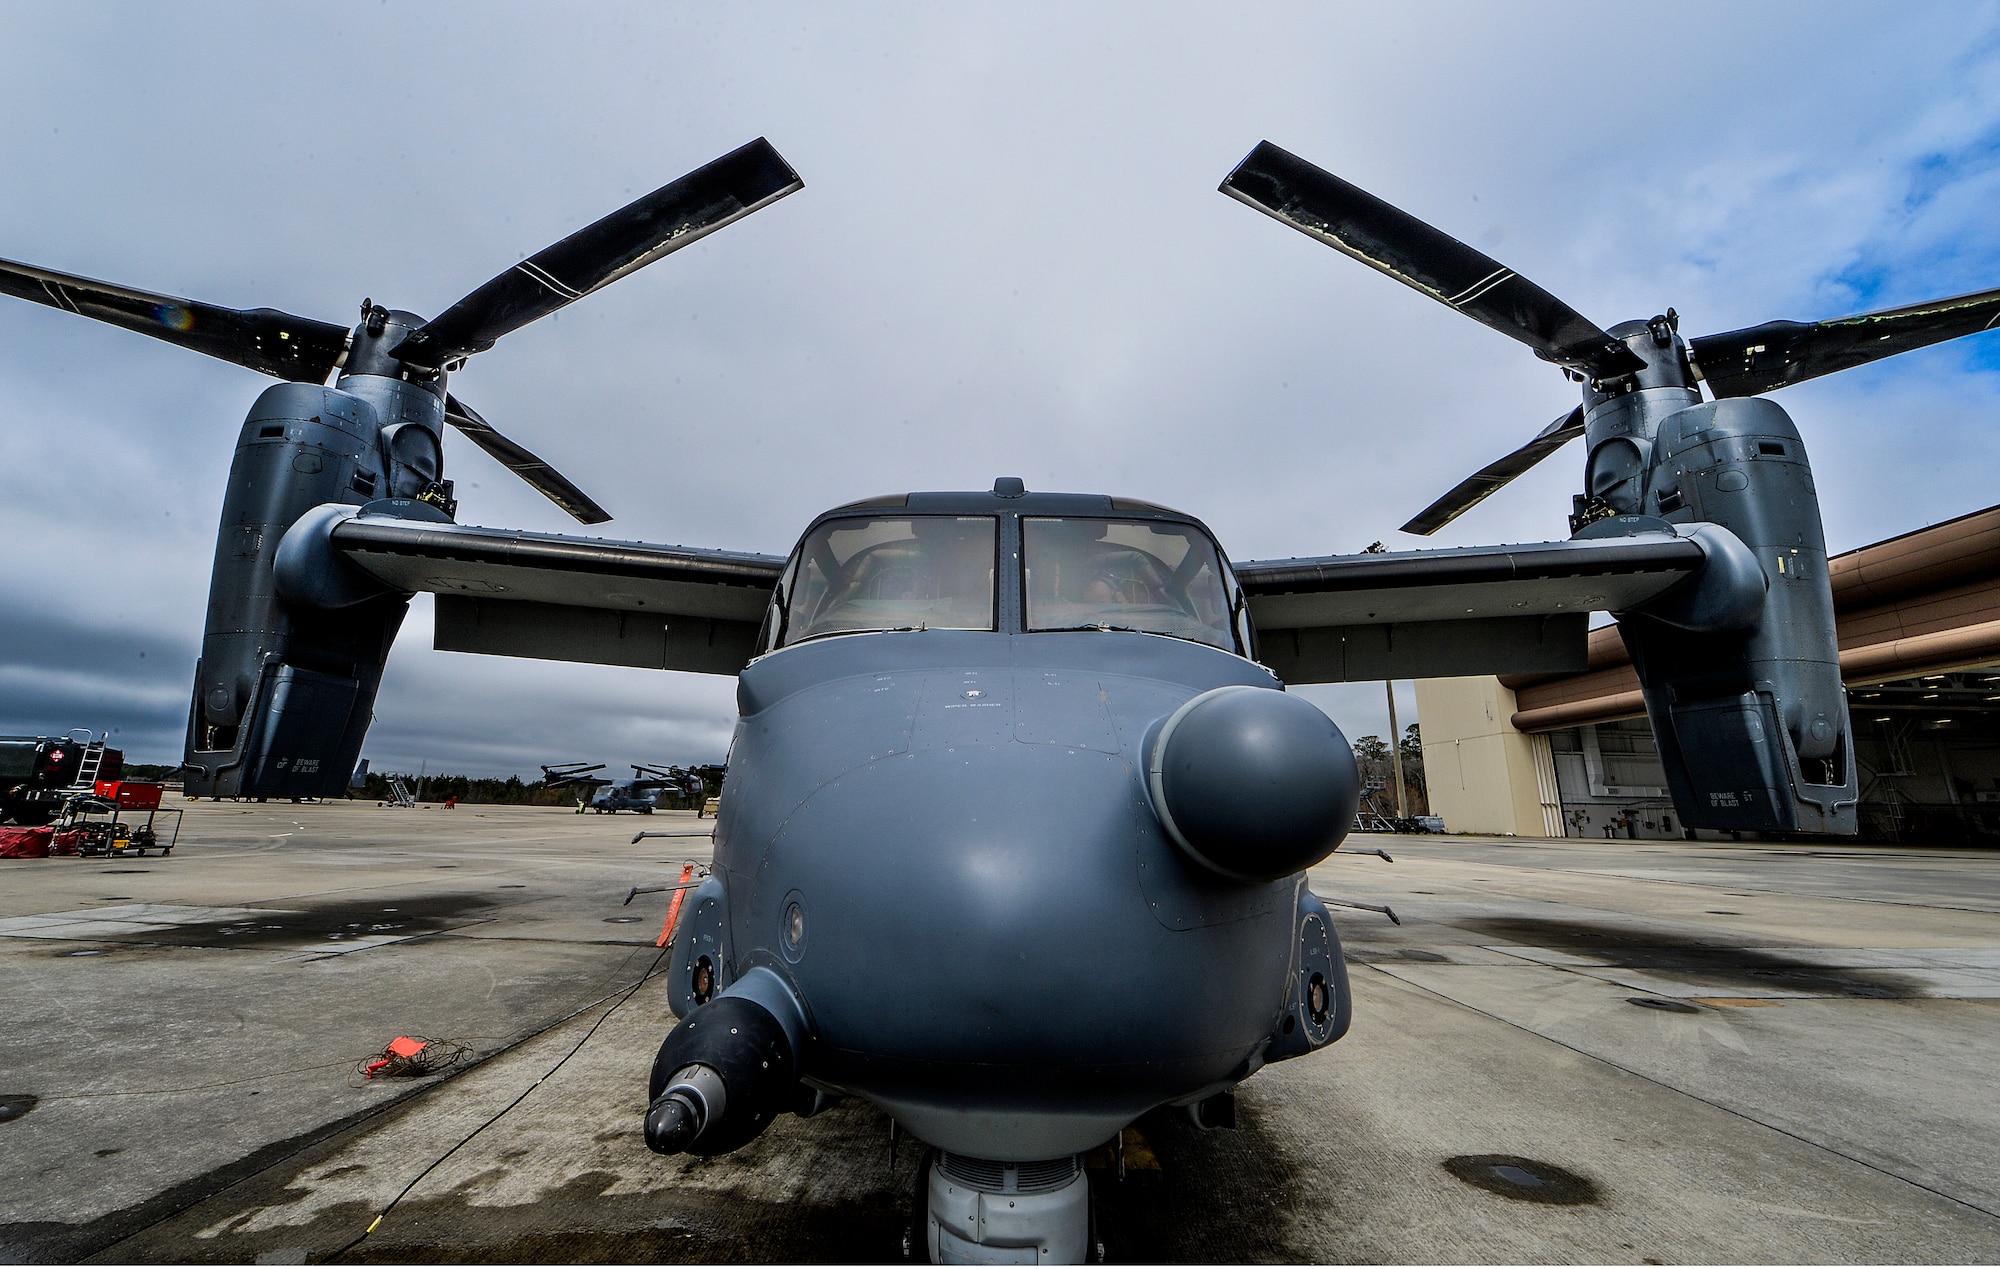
x=97, y=823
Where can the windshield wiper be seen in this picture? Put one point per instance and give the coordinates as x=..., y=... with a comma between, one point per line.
x=1099, y=625
x=919, y=628
x=1108, y=627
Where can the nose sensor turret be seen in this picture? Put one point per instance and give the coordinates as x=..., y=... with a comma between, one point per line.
x=720, y=1078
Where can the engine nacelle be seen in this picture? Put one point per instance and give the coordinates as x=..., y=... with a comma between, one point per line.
x=1750, y=715
x=284, y=691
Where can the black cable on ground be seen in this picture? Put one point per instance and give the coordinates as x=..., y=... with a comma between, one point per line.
x=436, y=1163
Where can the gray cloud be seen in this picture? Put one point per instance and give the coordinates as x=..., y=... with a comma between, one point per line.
x=1009, y=258
x=121, y=676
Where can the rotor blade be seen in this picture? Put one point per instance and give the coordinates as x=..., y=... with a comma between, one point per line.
x=1350, y=219
x=1489, y=479
x=265, y=340
x=632, y=237
x=518, y=460
x=1743, y=363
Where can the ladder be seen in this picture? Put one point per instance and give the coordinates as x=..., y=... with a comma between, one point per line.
x=399, y=793
x=86, y=771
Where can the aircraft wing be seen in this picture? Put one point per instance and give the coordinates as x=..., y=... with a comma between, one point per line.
x=1466, y=610
x=1327, y=619
x=560, y=598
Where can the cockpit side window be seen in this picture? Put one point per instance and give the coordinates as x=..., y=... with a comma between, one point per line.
x=1151, y=576
x=901, y=573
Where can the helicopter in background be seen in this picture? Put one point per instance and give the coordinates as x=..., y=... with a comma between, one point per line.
x=645, y=792
x=581, y=775
x=1018, y=808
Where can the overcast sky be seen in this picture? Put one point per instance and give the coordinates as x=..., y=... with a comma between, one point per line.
x=1009, y=258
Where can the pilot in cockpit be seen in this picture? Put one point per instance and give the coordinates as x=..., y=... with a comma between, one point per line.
x=1084, y=572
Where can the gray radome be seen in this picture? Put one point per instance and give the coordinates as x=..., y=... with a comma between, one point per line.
x=1252, y=783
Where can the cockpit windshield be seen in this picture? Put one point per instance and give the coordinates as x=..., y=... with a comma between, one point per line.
x=1146, y=575
x=901, y=573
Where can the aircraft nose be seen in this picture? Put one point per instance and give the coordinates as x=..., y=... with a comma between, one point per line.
x=984, y=907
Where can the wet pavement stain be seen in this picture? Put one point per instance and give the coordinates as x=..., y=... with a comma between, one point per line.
x=1698, y=958
x=1664, y=1006
x=1228, y=1195
x=15, y=1105
x=859, y=1215
x=61, y=1242
x=1529, y=1180
x=1215, y=1195
x=1363, y=955
x=659, y=1229
x=307, y=924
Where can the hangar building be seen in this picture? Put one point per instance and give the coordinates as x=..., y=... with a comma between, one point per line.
x=1553, y=755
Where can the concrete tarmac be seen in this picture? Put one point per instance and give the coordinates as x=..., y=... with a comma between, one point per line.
x=1569, y=1051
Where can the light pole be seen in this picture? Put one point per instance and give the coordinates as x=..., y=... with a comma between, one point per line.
x=1396, y=754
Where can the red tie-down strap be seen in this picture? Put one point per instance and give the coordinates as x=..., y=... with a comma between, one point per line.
x=674, y=908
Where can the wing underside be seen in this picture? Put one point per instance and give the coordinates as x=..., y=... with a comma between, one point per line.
x=560, y=598
x=1439, y=614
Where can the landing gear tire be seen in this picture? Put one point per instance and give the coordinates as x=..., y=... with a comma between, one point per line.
x=1094, y=1248
x=916, y=1236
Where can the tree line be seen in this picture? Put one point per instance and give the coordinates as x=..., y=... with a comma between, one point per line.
x=1371, y=755
x=513, y=791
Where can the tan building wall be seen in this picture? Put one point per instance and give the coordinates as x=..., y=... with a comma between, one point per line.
x=1483, y=775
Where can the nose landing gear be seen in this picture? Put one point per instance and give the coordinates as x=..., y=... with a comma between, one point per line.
x=987, y=1212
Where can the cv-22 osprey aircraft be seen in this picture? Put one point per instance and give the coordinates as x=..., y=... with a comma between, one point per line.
x=1018, y=811
x=641, y=793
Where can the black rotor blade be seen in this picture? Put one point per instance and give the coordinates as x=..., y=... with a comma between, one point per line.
x=632, y=237
x=1742, y=363
x=1490, y=479
x=1350, y=219
x=264, y=339
x=552, y=484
